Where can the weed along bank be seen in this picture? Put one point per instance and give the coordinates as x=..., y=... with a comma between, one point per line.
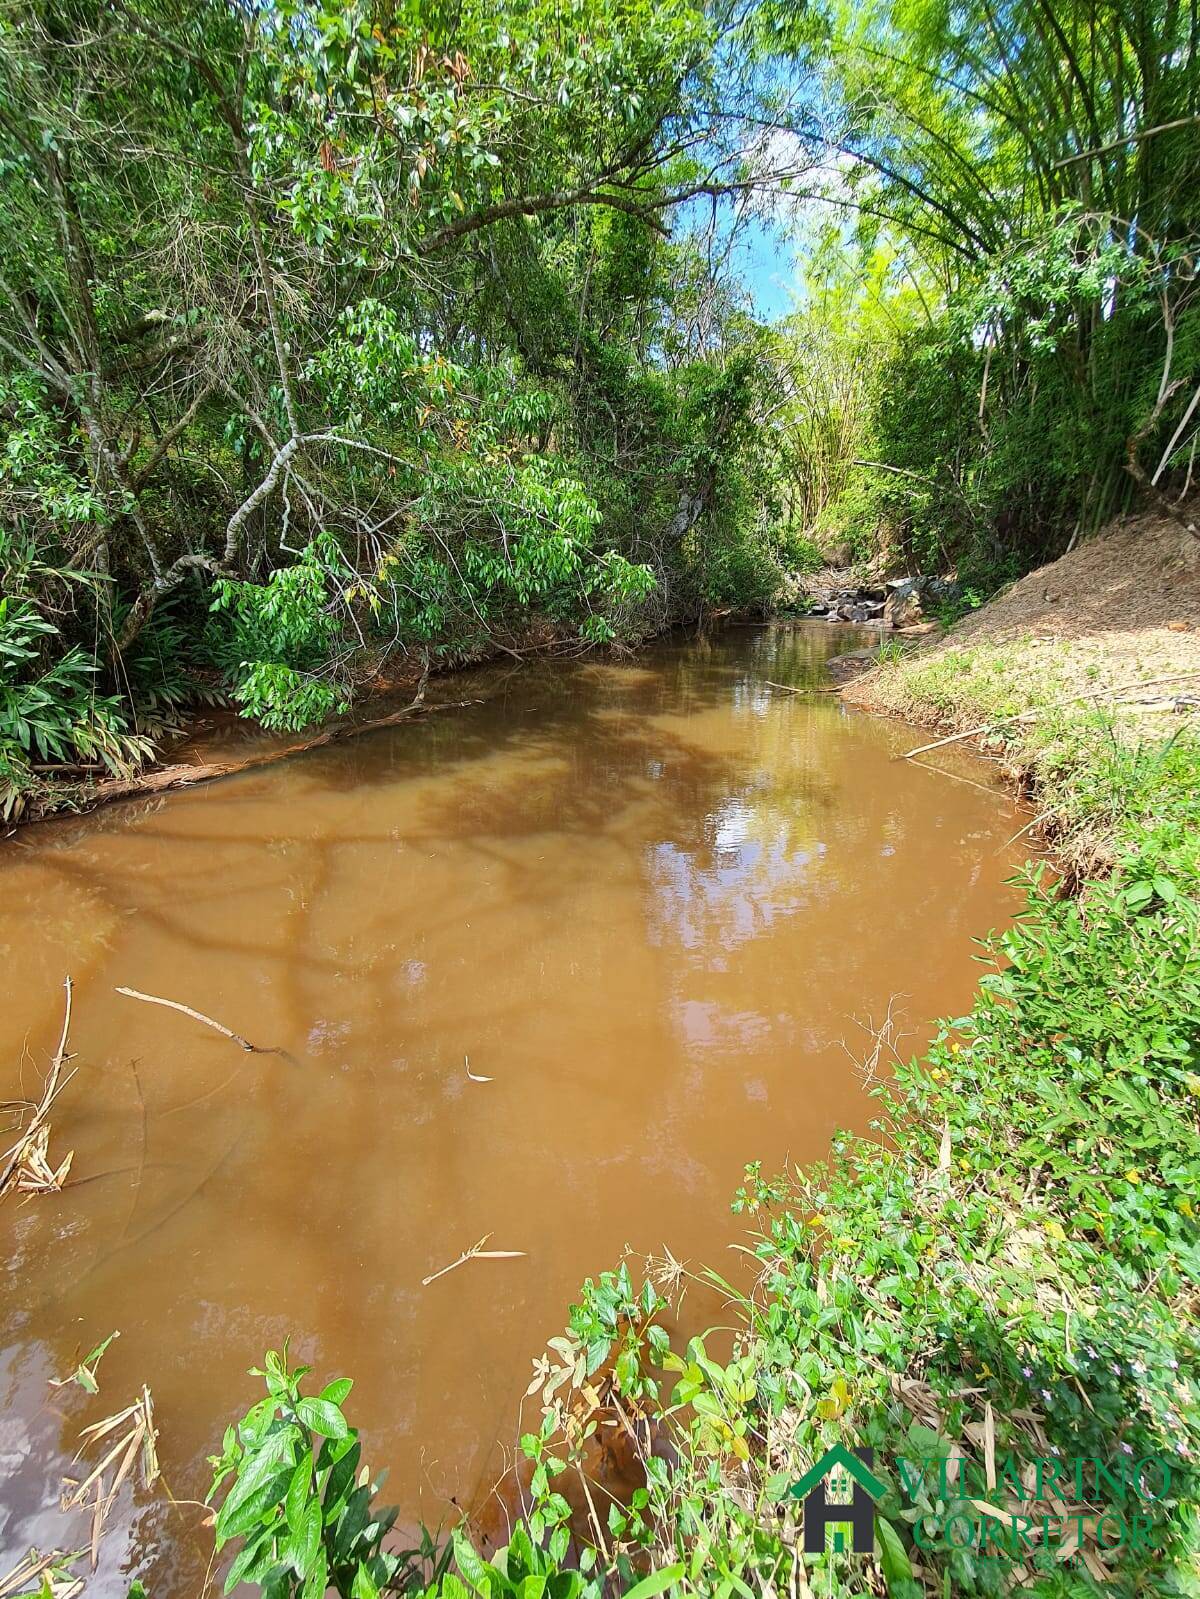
x=1129, y=1489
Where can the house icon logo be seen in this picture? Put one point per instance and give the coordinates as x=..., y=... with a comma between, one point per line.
x=819, y=1513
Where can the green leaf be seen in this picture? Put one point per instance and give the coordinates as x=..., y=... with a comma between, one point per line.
x=364, y=1585
x=897, y=1567
x=657, y=1582
x=237, y=1522
x=255, y=1551
x=472, y=1567
x=300, y=1491
x=320, y=1415
x=263, y=1465
x=318, y=1578
x=307, y=1540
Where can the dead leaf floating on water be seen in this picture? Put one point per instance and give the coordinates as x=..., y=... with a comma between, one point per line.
x=476, y=1252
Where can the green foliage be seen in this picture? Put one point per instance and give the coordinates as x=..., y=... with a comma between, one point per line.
x=1021, y=1178
x=521, y=1568
x=397, y=359
x=298, y=1501
x=279, y=635
x=1014, y=196
x=303, y=1511
x=50, y=708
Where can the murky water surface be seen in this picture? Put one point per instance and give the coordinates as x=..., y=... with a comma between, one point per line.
x=648, y=901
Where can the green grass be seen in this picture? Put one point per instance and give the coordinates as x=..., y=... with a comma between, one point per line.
x=1095, y=772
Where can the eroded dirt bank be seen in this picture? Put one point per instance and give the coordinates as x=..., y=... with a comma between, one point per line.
x=1119, y=612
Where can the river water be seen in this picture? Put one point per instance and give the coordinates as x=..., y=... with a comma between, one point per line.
x=651, y=902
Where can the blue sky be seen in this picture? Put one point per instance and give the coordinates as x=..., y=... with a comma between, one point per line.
x=766, y=263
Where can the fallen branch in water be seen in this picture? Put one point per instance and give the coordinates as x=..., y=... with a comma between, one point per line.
x=197, y=1016
x=33, y=1141
x=162, y=779
x=476, y=1252
x=1040, y=710
x=958, y=777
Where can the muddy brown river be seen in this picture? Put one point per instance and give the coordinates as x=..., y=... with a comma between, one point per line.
x=648, y=901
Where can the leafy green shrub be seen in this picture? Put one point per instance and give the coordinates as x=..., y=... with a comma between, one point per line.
x=277, y=640
x=298, y=1500
x=50, y=709
x=303, y=1509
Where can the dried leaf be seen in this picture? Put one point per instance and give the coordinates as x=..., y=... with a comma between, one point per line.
x=944, y=1151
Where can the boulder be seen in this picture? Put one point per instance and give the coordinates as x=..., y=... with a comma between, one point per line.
x=940, y=590
x=903, y=605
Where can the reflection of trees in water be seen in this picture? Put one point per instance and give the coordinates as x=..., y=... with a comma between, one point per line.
x=306, y=897
x=762, y=854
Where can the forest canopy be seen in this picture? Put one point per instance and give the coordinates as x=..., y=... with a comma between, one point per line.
x=335, y=335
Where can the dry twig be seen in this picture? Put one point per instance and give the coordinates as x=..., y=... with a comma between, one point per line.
x=138, y=1438
x=476, y=1252
x=197, y=1016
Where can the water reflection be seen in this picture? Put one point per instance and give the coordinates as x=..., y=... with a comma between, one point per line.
x=644, y=899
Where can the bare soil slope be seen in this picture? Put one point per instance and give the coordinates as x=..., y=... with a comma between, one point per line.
x=1122, y=608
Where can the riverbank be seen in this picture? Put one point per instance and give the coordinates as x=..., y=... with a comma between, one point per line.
x=217, y=742
x=997, y=1292
x=1063, y=675
x=1003, y=1286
